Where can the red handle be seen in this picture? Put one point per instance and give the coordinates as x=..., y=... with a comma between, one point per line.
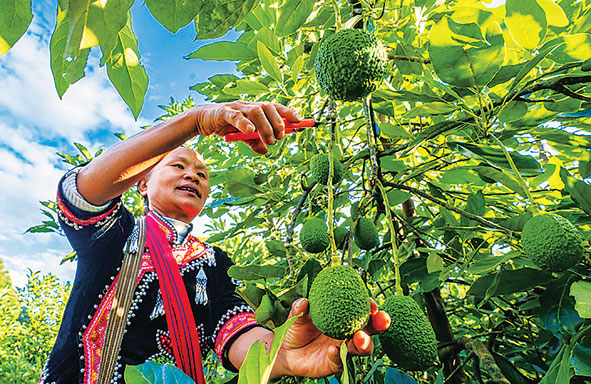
x=289, y=128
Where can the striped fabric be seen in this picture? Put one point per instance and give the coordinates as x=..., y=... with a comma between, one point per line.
x=179, y=316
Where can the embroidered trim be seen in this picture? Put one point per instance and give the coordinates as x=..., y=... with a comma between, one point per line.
x=232, y=327
x=71, y=220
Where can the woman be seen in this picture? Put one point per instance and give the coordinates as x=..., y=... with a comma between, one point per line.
x=174, y=181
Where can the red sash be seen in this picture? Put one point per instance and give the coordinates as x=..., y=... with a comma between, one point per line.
x=179, y=316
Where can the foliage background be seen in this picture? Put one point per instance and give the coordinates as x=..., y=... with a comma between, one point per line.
x=466, y=83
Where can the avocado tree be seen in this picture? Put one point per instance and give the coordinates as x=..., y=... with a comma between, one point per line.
x=480, y=123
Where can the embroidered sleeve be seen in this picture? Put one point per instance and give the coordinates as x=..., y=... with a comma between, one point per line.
x=234, y=315
x=87, y=225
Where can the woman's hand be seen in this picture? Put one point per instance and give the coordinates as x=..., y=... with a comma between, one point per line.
x=307, y=352
x=265, y=118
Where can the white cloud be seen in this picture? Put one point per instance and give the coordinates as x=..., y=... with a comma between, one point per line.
x=28, y=93
x=32, y=120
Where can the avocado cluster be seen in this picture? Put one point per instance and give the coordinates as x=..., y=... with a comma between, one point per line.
x=410, y=340
x=552, y=242
x=314, y=235
x=339, y=302
x=350, y=64
x=366, y=234
x=320, y=167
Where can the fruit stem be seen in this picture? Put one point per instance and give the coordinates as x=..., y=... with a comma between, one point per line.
x=334, y=256
x=520, y=180
x=398, y=286
x=337, y=16
x=374, y=179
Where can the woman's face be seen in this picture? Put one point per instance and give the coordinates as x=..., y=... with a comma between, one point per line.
x=178, y=185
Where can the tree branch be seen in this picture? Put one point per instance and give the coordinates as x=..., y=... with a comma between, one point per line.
x=469, y=215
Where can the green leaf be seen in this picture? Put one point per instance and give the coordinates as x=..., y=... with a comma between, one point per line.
x=125, y=71
x=434, y=108
x=581, y=291
x=252, y=294
x=297, y=67
x=487, y=264
x=152, y=373
x=392, y=164
x=393, y=131
x=83, y=151
x=246, y=87
x=15, y=18
x=276, y=248
x=65, y=72
x=571, y=48
x=509, y=371
x=526, y=21
x=240, y=182
x=555, y=15
x=396, y=197
x=256, y=272
x=174, y=14
x=500, y=176
x=268, y=61
x=462, y=56
x=557, y=308
x=343, y=354
x=257, y=365
x=579, y=357
x=526, y=164
x=578, y=190
x=218, y=16
x=512, y=111
x=292, y=14
x=509, y=281
x=223, y=50
x=560, y=371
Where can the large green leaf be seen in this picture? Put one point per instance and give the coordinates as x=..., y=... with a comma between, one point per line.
x=153, y=373
x=126, y=72
x=578, y=190
x=489, y=174
x=557, y=308
x=560, y=371
x=65, y=72
x=292, y=14
x=509, y=281
x=526, y=21
x=268, y=62
x=240, y=182
x=224, y=50
x=104, y=22
x=462, y=56
x=218, y=16
x=526, y=164
x=15, y=18
x=580, y=353
x=570, y=48
x=581, y=290
x=257, y=365
x=246, y=87
x=174, y=14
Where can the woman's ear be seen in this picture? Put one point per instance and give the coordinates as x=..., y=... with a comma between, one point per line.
x=142, y=187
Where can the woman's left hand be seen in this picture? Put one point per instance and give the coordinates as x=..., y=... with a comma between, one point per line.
x=307, y=352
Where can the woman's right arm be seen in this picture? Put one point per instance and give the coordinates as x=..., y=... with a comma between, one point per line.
x=121, y=166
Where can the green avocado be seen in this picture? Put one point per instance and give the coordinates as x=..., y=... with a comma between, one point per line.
x=366, y=234
x=314, y=235
x=339, y=302
x=350, y=64
x=410, y=340
x=552, y=242
x=320, y=166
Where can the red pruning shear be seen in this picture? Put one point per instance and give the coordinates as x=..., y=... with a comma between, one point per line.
x=289, y=128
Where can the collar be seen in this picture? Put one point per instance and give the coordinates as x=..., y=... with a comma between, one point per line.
x=176, y=231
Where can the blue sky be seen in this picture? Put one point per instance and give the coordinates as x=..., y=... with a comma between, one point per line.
x=35, y=124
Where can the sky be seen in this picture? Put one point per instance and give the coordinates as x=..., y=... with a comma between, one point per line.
x=35, y=124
